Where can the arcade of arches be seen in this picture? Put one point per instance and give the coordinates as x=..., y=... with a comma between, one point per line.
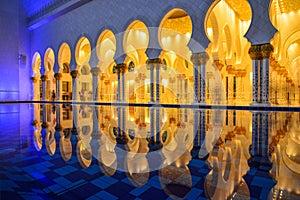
x=231, y=70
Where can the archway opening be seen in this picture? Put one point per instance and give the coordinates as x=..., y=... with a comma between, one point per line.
x=226, y=24
x=174, y=34
x=49, y=60
x=285, y=71
x=36, y=76
x=136, y=41
x=64, y=58
x=106, y=49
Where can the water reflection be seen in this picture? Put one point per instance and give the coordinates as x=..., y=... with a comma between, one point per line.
x=238, y=147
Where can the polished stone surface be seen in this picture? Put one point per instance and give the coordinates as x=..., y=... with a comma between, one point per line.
x=61, y=151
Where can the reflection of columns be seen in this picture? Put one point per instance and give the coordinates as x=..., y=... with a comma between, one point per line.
x=266, y=50
x=157, y=125
x=202, y=127
x=95, y=72
x=74, y=74
x=199, y=60
x=196, y=129
x=259, y=161
x=260, y=140
x=58, y=77
x=152, y=126
x=151, y=65
x=255, y=55
x=58, y=126
x=44, y=78
x=255, y=120
x=44, y=116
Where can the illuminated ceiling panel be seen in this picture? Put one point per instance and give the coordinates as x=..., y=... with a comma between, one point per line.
x=287, y=6
x=241, y=8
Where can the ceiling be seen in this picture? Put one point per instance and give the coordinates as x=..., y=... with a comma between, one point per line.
x=37, y=8
x=287, y=6
x=241, y=8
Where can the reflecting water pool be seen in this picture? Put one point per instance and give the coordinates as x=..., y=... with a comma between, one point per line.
x=63, y=151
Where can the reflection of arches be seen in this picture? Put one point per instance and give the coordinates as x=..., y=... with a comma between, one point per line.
x=65, y=145
x=84, y=154
x=176, y=179
x=37, y=139
x=50, y=142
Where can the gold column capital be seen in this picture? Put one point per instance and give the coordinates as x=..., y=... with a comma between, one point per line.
x=255, y=52
x=119, y=68
x=199, y=58
x=230, y=69
x=74, y=73
x=95, y=71
x=240, y=73
x=44, y=77
x=219, y=65
x=154, y=61
x=266, y=50
x=58, y=76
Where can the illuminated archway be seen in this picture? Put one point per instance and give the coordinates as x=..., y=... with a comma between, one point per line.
x=285, y=72
x=36, y=76
x=84, y=79
x=227, y=21
x=136, y=41
x=174, y=34
x=106, y=49
x=49, y=60
x=64, y=58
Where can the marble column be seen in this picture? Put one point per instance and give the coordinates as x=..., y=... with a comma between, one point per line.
x=150, y=66
x=199, y=61
x=157, y=68
x=58, y=77
x=119, y=87
x=203, y=60
x=120, y=70
x=74, y=74
x=95, y=72
x=266, y=50
x=44, y=79
x=157, y=120
x=255, y=55
x=196, y=129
